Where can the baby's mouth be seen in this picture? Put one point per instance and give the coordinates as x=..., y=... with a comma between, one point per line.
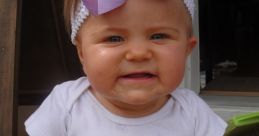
x=141, y=75
x=139, y=78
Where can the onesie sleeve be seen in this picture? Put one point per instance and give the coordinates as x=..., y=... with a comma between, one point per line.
x=50, y=118
x=207, y=122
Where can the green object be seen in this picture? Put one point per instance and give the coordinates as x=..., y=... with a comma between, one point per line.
x=243, y=125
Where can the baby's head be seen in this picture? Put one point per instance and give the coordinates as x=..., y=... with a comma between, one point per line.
x=134, y=55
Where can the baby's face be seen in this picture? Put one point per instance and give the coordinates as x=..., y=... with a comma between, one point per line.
x=135, y=55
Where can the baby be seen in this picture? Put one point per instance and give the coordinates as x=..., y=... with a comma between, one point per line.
x=133, y=53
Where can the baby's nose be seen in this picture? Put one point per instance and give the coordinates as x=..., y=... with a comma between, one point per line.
x=139, y=51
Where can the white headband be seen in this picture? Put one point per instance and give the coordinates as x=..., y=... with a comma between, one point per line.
x=81, y=13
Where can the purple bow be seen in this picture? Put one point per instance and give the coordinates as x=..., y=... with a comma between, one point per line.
x=98, y=7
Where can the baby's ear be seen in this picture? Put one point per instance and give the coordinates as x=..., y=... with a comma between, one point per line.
x=192, y=41
x=79, y=51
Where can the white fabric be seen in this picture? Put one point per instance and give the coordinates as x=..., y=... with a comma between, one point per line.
x=81, y=13
x=71, y=110
x=77, y=19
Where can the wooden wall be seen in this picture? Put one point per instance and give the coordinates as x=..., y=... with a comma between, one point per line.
x=8, y=11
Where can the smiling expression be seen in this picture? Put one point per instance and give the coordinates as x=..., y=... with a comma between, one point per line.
x=134, y=56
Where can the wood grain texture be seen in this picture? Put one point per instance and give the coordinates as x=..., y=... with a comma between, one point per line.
x=8, y=11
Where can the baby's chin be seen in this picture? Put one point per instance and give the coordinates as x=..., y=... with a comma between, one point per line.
x=141, y=99
x=139, y=105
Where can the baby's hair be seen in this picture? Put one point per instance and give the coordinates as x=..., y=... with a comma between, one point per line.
x=189, y=19
x=70, y=7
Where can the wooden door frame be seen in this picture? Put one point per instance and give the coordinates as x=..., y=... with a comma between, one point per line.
x=8, y=22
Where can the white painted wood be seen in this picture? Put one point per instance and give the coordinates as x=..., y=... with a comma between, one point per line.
x=192, y=74
x=228, y=106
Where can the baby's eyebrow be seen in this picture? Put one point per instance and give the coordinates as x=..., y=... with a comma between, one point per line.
x=148, y=29
x=164, y=28
x=110, y=29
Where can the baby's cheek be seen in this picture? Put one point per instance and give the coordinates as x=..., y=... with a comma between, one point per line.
x=173, y=74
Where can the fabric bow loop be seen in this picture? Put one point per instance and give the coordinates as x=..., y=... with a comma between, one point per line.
x=98, y=7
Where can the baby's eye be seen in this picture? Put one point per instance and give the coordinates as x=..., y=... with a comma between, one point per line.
x=159, y=36
x=115, y=39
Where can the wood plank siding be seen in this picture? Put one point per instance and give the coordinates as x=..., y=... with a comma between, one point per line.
x=8, y=11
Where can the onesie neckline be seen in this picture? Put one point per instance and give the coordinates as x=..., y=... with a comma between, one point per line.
x=132, y=121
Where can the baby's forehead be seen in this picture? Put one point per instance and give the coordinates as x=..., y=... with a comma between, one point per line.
x=152, y=5
x=170, y=4
x=139, y=18
x=161, y=9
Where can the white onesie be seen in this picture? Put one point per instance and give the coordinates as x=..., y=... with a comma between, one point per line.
x=71, y=110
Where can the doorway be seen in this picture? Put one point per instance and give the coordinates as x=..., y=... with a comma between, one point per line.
x=229, y=45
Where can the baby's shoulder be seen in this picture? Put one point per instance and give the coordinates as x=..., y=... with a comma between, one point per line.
x=68, y=92
x=53, y=113
x=188, y=100
x=71, y=87
x=185, y=95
